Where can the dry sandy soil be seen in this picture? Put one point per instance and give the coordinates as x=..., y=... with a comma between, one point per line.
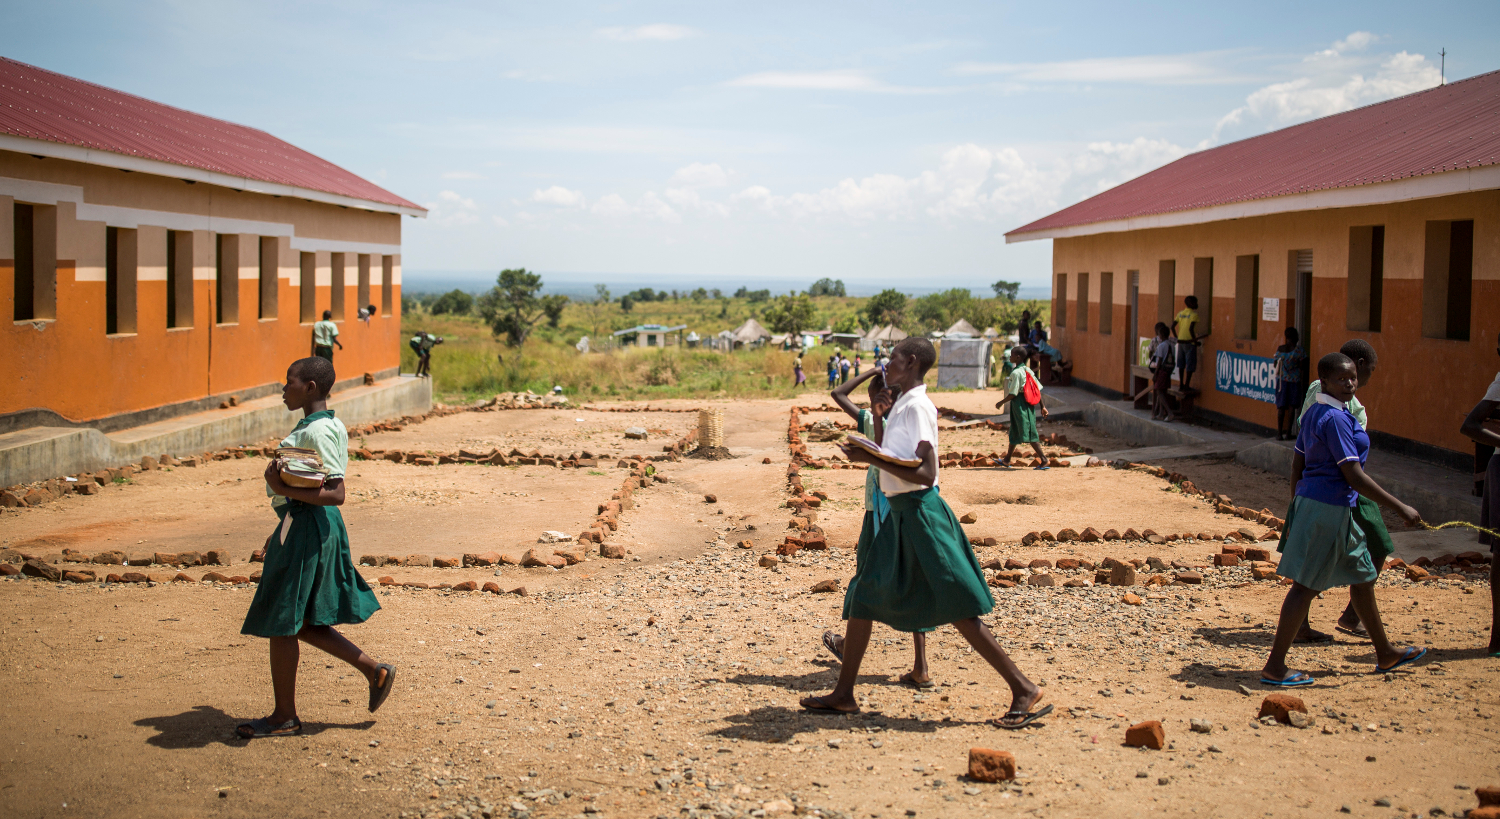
x=666, y=684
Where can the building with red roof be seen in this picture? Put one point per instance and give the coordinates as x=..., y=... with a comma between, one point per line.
x=154, y=260
x=1381, y=223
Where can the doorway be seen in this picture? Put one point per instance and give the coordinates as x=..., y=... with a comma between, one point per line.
x=1303, y=295
x=1132, y=328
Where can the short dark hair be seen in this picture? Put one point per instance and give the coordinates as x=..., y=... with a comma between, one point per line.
x=327, y=314
x=1162, y=329
x=1328, y=364
x=1292, y=335
x=921, y=349
x=1191, y=301
x=318, y=370
x=1361, y=352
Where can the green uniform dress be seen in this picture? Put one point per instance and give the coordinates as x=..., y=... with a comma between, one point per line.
x=915, y=571
x=1366, y=512
x=309, y=577
x=1022, y=414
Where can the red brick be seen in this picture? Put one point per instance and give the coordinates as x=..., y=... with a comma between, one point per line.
x=1131, y=599
x=1489, y=796
x=1233, y=549
x=613, y=551
x=1415, y=572
x=1485, y=812
x=78, y=577
x=1279, y=706
x=519, y=591
x=418, y=560
x=986, y=765
x=823, y=586
x=9, y=569
x=1189, y=577
x=492, y=587
x=1069, y=563
x=467, y=585
x=216, y=577
x=387, y=580
x=713, y=499
x=1039, y=563
x=1041, y=580
x=183, y=577
x=1146, y=735
x=1065, y=536
x=1257, y=553
x=445, y=562
x=1226, y=560
x=238, y=579
x=1090, y=535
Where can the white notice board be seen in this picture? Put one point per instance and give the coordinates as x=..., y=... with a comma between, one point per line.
x=1270, y=309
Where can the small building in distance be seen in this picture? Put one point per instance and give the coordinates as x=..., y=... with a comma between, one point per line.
x=153, y=260
x=652, y=335
x=1381, y=223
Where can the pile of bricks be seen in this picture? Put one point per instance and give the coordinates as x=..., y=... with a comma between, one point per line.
x=494, y=457
x=84, y=483
x=1448, y=568
x=647, y=408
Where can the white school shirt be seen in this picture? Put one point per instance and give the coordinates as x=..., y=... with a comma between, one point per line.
x=913, y=419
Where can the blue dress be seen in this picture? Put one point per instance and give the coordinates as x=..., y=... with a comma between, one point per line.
x=1323, y=546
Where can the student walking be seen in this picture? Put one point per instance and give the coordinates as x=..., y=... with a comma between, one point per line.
x=1188, y=340
x=325, y=335
x=1291, y=380
x=917, y=571
x=1024, y=394
x=1366, y=512
x=833, y=371
x=798, y=376
x=309, y=584
x=1321, y=546
x=1483, y=426
x=843, y=369
x=871, y=424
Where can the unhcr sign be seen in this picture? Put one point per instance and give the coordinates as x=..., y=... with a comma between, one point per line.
x=1246, y=376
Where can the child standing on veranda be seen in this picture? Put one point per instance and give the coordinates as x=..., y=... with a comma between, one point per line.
x=1022, y=409
x=1322, y=546
x=309, y=584
x=877, y=509
x=917, y=571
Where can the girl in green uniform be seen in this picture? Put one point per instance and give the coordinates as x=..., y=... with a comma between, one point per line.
x=917, y=570
x=1022, y=411
x=309, y=583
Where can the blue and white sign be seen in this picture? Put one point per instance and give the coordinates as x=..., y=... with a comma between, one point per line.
x=1247, y=376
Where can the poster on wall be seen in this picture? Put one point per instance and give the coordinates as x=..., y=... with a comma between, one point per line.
x=1270, y=309
x=1143, y=352
x=1247, y=376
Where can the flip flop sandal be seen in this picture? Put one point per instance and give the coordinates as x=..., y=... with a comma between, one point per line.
x=920, y=685
x=1357, y=631
x=816, y=705
x=262, y=727
x=378, y=693
x=1041, y=468
x=1026, y=717
x=1407, y=658
x=1314, y=637
x=831, y=642
x=1296, y=680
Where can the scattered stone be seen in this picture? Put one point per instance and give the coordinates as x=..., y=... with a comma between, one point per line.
x=466, y=586
x=1202, y=726
x=1279, y=706
x=1189, y=577
x=1146, y=735
x=969, y=517
x=1041, y=580
x=768, y=561
x=419, y=560
x=710, y=498
x=1131, y=599
x=1122, y=574
x=613, y=551
x=986, y=765
x=36, y=568
x=823, y=586
x=445, y=562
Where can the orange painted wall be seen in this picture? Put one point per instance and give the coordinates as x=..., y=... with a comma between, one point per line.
x=71, y=366
x=1423, y=387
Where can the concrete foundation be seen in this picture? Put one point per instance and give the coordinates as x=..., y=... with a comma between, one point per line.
x=41, y=453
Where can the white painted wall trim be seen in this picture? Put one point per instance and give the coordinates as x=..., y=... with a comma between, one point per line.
x=107, y=159
x=1466, y=180
x=51, y=193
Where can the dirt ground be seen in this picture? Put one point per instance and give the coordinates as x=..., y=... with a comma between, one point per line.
x=666, y=684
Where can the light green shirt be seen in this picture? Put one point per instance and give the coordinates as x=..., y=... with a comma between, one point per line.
x=324, y=333
x=325, y=435
x=1015, y=382
x=1355, y=408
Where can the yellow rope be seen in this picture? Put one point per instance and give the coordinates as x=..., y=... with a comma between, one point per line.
x=1460, y=523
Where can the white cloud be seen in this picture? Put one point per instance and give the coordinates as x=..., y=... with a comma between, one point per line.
x=1335, y=79
x=499, y=221
x=833, y=80
x=461, y=175
x=452, y=209
x=1154, y=69
x=649, y=206
x=699, y=175
x=559, y=196
x=655, y=31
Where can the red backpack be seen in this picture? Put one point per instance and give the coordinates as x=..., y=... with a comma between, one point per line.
x=1032, y=392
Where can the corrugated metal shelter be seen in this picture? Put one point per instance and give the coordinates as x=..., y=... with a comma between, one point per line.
x=964, y=362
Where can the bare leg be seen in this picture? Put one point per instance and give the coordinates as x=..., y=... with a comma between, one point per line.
x=1023, y=692
x=1010, y=454
x=856, y=640
x=1293, y=614
x=1350, y=618
x=920, y=673
x=1369, y=614
x=329, y=640
x=284, y=655
x=1037, y=448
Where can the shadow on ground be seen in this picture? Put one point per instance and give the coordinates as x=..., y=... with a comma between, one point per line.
x=206, y=725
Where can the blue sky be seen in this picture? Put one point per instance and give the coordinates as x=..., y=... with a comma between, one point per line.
x=764, y=144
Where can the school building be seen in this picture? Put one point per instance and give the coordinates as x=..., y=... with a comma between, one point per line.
x=154, y=261
x=1381, y=223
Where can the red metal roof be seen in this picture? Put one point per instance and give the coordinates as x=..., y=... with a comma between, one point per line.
x=40, y=104
x=1447, y=128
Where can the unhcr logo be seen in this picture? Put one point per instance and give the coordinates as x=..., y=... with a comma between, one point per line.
x=1246, y=376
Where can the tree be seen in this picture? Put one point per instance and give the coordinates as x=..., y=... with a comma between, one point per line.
x=626, y=303
x=937, y=311
x=886, y=307
x=1006, y=290
x=716, y=294
x=757, y=295
x=789, y=314
x=699, y=294
x=826, y=287
x=553, y=306
x=511, y=308
x=847, y=324
x=598, y=310
x=456, y=302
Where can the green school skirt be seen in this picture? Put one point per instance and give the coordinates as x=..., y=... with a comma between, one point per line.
x=1369, y=521
x=1022, y=422
x=1322, y=547
x=310, y=579
x=918, y=571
